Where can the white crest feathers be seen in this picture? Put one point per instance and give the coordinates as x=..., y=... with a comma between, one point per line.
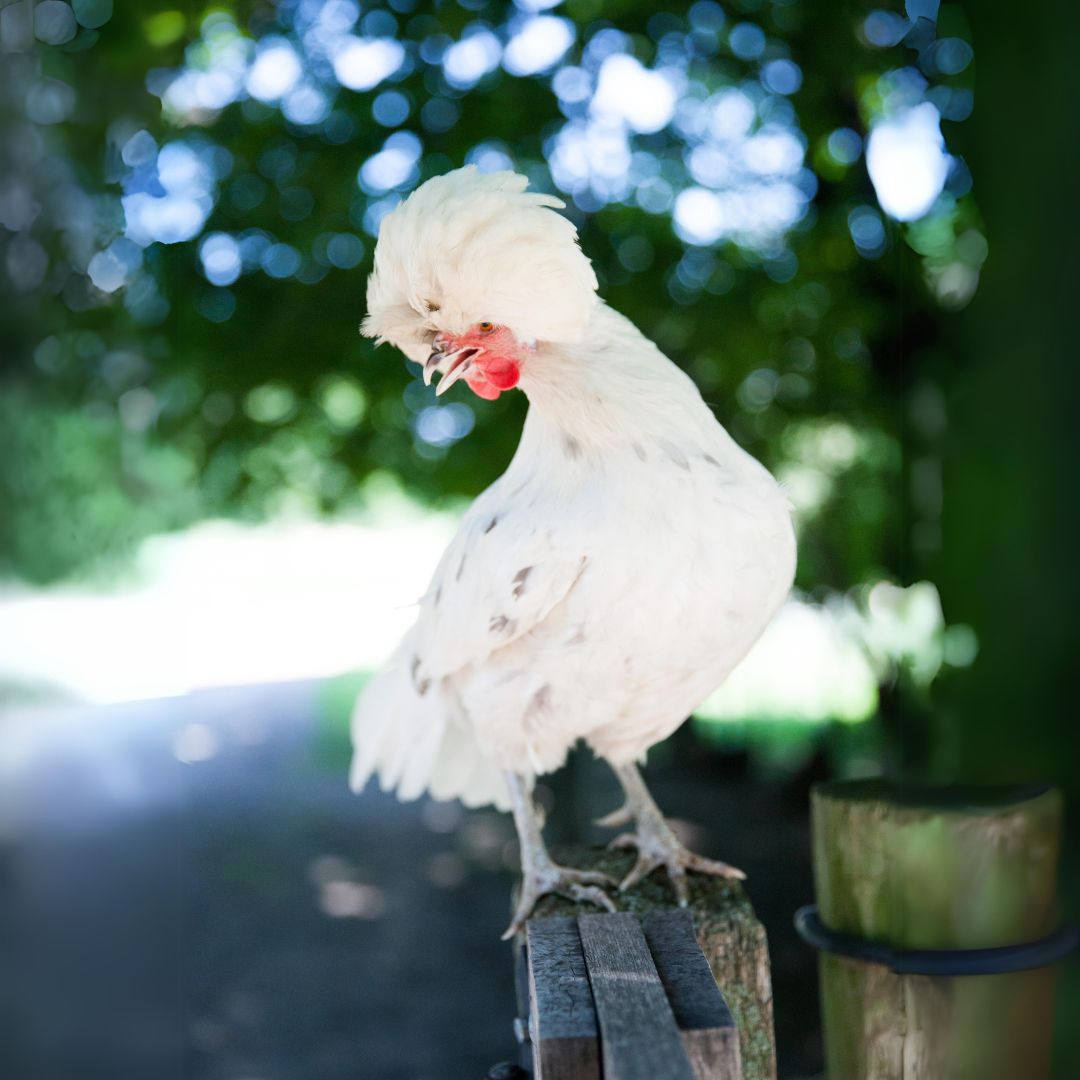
x=469, y=247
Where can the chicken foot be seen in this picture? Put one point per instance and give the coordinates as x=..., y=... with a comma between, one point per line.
x=540, y=874
x=656, y=844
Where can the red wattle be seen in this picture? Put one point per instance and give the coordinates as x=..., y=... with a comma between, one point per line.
x=490, y=376
x=481, y=387
x=502, y=374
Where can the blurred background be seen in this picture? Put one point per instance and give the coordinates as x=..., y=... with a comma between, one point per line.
x=217, y=503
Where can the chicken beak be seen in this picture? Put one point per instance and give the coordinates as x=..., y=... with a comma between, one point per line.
x=431, y=365
x=451, y=363
x=455, y=365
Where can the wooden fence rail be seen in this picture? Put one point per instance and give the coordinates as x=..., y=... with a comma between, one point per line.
x=645, y=994
x=627, y=1000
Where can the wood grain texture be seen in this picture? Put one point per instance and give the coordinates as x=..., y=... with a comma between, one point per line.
x=708, y=1030
x=935, y=868
x=735, y=944
x=729, y=933
x=638, y=1036
x=562, y=1017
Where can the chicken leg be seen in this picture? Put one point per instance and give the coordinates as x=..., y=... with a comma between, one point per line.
x=656, y=844
x=541, y=875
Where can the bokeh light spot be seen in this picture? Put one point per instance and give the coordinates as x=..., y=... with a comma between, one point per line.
x=395, y=166
x=470, y=59
x=442, y=425
x=440, y=114
x=306, y=105
x=627, y=91
x=92, y=13
x=220, y=255
x=747, y=40
x=391, y=108
x=867, y=231
x=906, y=159
x=280, y=260
x=345, y=250
x=782, y=76
x=489, y=157
x=537, y=44
x=195, y=743
x=344, y=401
x=275, y=72
x=270, y=403
x=54, y=22
x=885, y=28
x=164, y=27
x=362, y=63
x=50, y=101
x=845, y=146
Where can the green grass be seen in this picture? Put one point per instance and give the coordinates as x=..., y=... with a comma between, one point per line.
x=332, y=748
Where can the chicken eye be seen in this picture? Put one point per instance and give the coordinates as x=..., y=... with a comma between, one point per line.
x=486, y=327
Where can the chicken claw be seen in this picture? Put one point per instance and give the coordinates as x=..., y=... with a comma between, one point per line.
x=584, y=886
x=617, y=818
x=658, y=846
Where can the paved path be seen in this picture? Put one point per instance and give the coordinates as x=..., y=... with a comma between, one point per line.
x=238, y=915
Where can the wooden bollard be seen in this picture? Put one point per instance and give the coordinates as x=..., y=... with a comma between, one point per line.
x=941, y=871
x=727, y=933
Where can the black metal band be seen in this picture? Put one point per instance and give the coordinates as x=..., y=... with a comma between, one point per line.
x=994, y=961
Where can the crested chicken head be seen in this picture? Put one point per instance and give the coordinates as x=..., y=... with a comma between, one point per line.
x=472, y=272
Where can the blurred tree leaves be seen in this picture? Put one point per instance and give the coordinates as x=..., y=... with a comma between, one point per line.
x=140, y=395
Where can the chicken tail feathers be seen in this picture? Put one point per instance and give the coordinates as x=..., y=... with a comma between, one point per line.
x=411, y=743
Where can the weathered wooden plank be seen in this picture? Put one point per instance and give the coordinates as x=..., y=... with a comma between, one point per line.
x=728, y=932
x=521, y=997
x=638, y=1036
x=702, y=1016
x=562, y=1017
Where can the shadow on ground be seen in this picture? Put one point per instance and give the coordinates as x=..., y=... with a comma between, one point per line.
x=190, y=891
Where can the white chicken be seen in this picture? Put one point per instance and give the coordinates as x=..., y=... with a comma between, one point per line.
x=614, y=575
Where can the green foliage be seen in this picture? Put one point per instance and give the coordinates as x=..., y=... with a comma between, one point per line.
x=141, y=396
x=83, y=492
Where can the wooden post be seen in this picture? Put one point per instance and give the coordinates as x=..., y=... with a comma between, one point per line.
x=729, y=935
x=935, y=869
